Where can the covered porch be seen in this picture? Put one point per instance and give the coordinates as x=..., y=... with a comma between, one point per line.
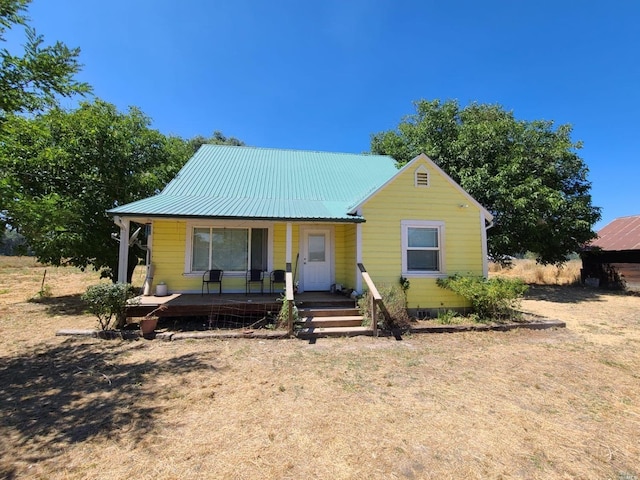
x=317, y=258
x=321, y=256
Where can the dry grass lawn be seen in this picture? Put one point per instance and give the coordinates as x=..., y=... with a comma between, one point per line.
x=532, y=273
x=523, y=404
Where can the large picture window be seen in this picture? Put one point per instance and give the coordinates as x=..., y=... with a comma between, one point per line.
x=422, y=247
x=229, y=249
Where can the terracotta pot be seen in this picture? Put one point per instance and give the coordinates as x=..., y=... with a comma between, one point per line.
x=148, y=325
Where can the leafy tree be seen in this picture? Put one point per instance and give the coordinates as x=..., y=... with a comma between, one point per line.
x=65, y=169
x=217, y=138
x=33, y=81
x=60, y=171
x=526, y=173
x=12, y=243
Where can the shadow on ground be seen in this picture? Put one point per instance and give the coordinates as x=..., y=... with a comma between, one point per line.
x=569, y=294
x=62, y=305
x=64, y=394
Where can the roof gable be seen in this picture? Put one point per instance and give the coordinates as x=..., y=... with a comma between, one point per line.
x=416, y=163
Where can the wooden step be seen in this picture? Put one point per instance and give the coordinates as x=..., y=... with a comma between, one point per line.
x=338, y=321
x=336, y=302
x=328, y=312
x=320, y=332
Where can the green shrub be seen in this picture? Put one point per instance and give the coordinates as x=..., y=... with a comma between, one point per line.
x=108, y=301
x=447, y=317
x=497, y=298
x=393, y=302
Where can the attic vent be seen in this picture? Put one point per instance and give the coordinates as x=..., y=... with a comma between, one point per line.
x=422, y=177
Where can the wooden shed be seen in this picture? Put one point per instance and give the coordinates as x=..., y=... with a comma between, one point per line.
x=613, y=259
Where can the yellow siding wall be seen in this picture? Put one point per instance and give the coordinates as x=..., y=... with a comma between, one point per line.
x=440, y=201
x=347, y=277
x=167, y=256
x=280, y=245
x=345, y=254
x=338, y=249
x=343, y=243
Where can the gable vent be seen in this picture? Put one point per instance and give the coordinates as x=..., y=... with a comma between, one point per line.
x=422, y=177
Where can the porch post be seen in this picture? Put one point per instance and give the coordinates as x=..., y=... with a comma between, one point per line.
x=289, y=278
x=358, y=256
x=289, y=242
x=123, y=253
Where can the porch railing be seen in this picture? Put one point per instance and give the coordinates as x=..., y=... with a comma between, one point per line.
x=376, y=298
x=288, y=277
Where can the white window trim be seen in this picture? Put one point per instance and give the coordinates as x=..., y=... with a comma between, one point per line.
x=404, y=225
x=191, y=224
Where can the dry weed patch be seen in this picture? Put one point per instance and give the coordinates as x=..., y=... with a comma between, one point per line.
x=519, y=404
x=532, y=273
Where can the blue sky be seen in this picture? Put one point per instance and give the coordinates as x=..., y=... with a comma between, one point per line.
x=325, y=75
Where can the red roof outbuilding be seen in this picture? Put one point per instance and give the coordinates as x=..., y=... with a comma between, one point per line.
x=620, y=235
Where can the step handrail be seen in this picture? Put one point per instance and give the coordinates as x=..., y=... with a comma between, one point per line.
x=288, y=281
x=376, y=298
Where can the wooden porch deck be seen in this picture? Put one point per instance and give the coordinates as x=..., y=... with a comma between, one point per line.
x=187, y=305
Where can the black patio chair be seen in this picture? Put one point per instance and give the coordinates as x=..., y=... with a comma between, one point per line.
x=212, y=276
x=255, y=276
x=277, y=276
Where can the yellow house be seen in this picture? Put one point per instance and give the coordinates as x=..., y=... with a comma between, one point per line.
x=240, y=208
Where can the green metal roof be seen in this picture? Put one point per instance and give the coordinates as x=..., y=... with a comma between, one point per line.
x=261, y=183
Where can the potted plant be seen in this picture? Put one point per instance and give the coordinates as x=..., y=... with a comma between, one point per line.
x=149, y=322
x=148, y=325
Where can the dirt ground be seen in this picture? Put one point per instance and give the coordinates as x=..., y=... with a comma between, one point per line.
x=561, y=403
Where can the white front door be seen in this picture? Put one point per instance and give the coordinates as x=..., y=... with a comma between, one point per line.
x=316, y=259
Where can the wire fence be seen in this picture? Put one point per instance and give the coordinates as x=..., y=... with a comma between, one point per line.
x=228, y=316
